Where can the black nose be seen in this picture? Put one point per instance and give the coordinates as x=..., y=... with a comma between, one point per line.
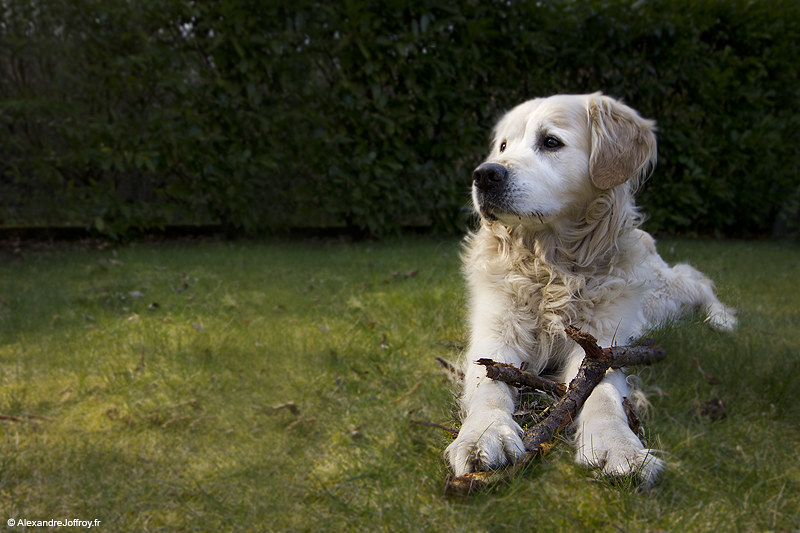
x=488, y=175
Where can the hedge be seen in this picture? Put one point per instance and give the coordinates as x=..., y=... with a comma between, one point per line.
x=371, y=114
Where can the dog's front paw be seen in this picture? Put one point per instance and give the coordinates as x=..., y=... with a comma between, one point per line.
x=722, y=318
x=487, y=440
x=641, y=463
x=620, y=455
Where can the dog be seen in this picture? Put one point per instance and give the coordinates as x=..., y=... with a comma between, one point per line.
x=559, y=244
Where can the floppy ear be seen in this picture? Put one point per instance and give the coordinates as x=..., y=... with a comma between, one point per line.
x=623, y=143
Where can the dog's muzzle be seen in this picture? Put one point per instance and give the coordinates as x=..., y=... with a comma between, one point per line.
x=489, y=183
x=489, y=176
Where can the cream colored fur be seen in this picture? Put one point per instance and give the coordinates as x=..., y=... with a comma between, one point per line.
x=558, y=244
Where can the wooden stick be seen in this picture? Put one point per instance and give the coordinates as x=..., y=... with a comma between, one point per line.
x=520, y=378
x=452, y=431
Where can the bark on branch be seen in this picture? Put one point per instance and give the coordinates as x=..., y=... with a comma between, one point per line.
x=593, y=368
x=520, y=378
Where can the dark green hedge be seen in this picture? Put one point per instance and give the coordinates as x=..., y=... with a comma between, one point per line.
x=261, y=115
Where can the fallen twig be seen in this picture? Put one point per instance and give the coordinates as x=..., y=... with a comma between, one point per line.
x=451, y=344
x=29, y=416
x=455, y=374
x=176, y=420
x=644, y=354
x=180, y=405
x=433, y=425
x=290, y=406
x=300, y=422
x=520, y=378
x=408, y=393
x=709, y=377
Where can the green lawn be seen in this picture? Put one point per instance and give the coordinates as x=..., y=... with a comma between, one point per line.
x=140, y=387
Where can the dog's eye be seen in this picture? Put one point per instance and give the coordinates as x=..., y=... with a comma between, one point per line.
x=503, y=146
x=551, y=143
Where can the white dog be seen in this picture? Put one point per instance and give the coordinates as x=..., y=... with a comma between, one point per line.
x=559, y=244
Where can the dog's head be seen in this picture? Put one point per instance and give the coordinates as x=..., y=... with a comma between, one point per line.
x=552, y=156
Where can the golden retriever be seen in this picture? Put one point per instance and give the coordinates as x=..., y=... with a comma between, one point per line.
x=559, y=244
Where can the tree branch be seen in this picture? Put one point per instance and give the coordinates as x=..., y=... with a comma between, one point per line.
x=520, y=378
x=644, y=354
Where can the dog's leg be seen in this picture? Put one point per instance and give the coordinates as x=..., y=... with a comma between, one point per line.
x=681, y=287
x=697, y=290
x=603, y=437
x=489, y=437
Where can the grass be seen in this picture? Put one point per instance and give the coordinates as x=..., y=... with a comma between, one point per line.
x=144, y=381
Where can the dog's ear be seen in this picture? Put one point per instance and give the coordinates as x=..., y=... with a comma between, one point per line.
x=623, y=143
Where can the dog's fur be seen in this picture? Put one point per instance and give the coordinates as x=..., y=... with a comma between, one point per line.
x=558, y=244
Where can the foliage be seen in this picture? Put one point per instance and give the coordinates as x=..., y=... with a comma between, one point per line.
x=372, y=114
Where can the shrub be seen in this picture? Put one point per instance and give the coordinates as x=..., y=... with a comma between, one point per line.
x=372, y=114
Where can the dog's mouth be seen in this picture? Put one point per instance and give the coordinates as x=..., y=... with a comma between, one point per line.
x=487, y=213
x=490, y=205
x=493, y=212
